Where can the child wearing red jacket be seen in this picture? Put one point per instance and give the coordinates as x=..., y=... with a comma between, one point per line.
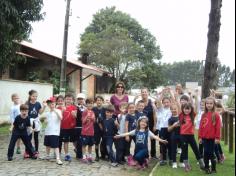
x=209, y=133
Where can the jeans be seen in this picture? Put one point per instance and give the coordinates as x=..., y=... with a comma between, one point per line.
x=141, y=155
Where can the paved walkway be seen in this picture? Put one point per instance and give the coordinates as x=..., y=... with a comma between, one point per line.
x=25, y=167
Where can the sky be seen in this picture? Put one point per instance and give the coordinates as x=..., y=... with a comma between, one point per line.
x=180, y=27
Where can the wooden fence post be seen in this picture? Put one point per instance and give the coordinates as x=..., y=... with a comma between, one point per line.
x=226, y=131
x=231, y=132
x=223, y=128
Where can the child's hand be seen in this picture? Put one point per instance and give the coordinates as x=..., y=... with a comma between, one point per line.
x=127, y=138
x=44, y=103
x=163, y=141
x=200, y=141
x=116, y=137
x=74, y=113
x=217, y=141
x=11, y=128
x=176, y=124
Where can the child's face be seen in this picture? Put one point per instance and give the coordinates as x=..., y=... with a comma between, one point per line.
x=109, y=114
x=209, y=105
x=52, y=105
x=99, y=102
x=187, y=111
x=24, y=113
x=131, y=109
x=158, y=104
x=60, y=102
x=123, y=108
x=34, y=97
x=219, y=110
x=143, y=124
x=166, y=103
x=69, y=101
x=202, y=105
x=89, y=106
x=80, y=101
x=174, y=110
x=16, y=99
x=140, y=107
x=183, y=101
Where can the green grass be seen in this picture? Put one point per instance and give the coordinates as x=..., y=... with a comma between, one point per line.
x=4, y=129
x=226, y=169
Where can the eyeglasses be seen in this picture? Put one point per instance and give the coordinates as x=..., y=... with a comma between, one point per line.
x=120, y=87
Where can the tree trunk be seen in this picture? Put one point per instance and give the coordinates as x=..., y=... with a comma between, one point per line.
x=211, y=64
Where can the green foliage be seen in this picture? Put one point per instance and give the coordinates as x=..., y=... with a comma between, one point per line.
x=231, y=101
x=15, y=19
x=55, y=81
x=118, y=43
x=224, y=76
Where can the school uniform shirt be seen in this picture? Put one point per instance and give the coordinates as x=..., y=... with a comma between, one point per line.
x=34, y=110
x=207, y=129
x=88, y=126
x=132, y=121
x=121, y=120
x=163, y=117
x=175, y=131
x=15, y=111
x=109, y=127
x=21, y=125
x=100, y=115
x=186, y=125
x=53, y=123
x=68, y=120
x=140, y=114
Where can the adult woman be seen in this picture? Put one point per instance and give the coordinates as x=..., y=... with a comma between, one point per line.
x=119, y=97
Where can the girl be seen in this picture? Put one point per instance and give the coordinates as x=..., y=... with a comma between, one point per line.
x=130, y=124
x=141, y=133
x=186, y=119
x=35, y=109
x=209, y=133
x=175, y=139
x=164, y=116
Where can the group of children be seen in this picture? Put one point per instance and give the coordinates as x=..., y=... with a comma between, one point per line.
x=88, y=123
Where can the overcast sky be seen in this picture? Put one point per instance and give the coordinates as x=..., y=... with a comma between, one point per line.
x=180, y=27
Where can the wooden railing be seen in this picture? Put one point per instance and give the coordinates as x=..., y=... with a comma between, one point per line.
x=227, y=134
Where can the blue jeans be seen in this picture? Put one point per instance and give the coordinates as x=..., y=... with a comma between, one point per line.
x=109, y=144
x=141, y=155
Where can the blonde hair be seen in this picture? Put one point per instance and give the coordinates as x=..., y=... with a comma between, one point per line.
x=213, y=117
x=14, y=95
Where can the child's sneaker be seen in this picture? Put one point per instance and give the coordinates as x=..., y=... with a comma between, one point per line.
x=163, y=163
x=114, y=164
x=18, y=151
x=67, y=158
x=179, y=151
x=9, y=158
x=35, y=156
x=181, y=165
x=174, y=166
x=59, y=162
x=90, y=159
x=84, y=160
x=187, y=167
x=26, y=155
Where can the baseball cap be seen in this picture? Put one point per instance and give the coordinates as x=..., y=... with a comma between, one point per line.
x=80, y=95
x=51, y=100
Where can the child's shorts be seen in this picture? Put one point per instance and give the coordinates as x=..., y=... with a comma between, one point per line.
x=87, y=140
x=67, y=135
x=51, y=141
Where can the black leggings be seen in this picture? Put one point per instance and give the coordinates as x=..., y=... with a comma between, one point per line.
x=189, y=139
x=36, y=140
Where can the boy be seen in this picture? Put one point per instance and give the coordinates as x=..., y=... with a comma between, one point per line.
x=15, y=111
x=52, y=131
x=19, y=130
x=68, y=124
x=99, y=117
x=87, y=134
x=110, y=127
x=140, y=107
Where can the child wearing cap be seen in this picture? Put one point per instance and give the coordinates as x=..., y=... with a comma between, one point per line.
x=141, y=133
x=52, y=130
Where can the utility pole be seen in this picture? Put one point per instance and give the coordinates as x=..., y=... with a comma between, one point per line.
x=64, y=52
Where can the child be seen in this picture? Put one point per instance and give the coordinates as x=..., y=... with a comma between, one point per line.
x=99, y=117
x=164, y=134
x=218, y=149
x=186, y=119
x=109, y=127
x=80, y=109
x=68, y=124
x=15, y=111
x=120, y=143
x=140, y=107
x=175, y=139
x=87, y=134
x=35, y=109
x=52, y=131
x=19, y=130
x=141, y=133
x=130, y=124
x=209, y=133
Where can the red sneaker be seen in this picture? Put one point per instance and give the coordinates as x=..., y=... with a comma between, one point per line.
x=26, y=155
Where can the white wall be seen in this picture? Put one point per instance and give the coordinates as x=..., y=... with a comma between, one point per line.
x=8, y=87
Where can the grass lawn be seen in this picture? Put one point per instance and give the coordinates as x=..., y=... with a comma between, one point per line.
x=4, y=129
x=226, y=169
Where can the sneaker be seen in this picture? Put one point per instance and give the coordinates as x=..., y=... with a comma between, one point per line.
x=187, y=167
x=181, y=165
x=155, y=158
x=37, y=153
x=163, y=163
x=68, y=158
x=9, y=158
x=114, y=164
x=84, y=160
x=208, y=171
x=59, y=162
x=97, y=159
x=35, y=156
x=45, y=158
x=90, y=159
x=26, y=155
x=174, y=166
x=18, y=151
x=179, y=151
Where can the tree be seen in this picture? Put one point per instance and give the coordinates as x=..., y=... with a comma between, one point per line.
x=211, y=64
x=224, y=76
x=15, y=19
x=118, y=43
